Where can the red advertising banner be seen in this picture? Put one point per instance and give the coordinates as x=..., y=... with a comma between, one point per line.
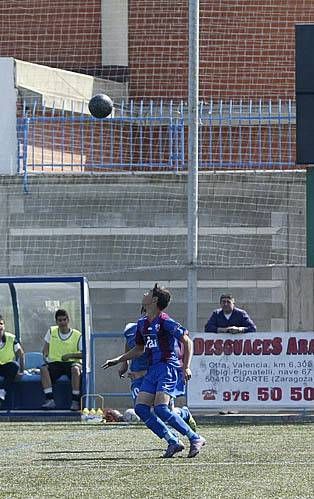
x=253, y=371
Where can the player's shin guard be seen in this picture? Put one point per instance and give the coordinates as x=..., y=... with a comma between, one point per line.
x=174, y=420
x=154, y=423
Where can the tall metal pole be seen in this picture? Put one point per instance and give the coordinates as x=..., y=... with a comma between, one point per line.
x=193, y=163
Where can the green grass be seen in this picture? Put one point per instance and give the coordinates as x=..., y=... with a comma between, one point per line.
x=73, y=460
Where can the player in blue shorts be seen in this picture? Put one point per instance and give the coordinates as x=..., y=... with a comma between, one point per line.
x=137, y=369
x=157, y=334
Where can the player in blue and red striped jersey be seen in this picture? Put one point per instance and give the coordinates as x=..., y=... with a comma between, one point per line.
x=157, y=335
x=137, y=369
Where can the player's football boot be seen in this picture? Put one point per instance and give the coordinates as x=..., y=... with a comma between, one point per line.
x=195, y=446
x=173, y=449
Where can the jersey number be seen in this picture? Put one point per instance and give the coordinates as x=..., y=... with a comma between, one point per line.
x=151, y=343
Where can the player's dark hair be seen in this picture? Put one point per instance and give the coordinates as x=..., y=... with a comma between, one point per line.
x=61, y=313
x=163, y=296
x=226, y=296
x=2, y=318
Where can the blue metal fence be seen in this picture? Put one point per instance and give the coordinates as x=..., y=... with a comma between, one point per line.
x=153, y=136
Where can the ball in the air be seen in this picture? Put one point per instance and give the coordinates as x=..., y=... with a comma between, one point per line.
x=130, y=416
x=100, y=106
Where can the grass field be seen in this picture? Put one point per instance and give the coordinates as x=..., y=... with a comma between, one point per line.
x=74, y=460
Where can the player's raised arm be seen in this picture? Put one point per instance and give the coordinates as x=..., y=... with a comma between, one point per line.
x=131, y=354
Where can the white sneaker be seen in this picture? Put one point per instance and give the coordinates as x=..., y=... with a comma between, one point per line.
x=75, y=406
x=2, y=393
x=49, y=404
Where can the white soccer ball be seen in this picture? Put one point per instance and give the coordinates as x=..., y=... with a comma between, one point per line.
x=130, y=416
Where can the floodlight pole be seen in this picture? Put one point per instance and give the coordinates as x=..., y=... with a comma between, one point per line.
x=193, y=164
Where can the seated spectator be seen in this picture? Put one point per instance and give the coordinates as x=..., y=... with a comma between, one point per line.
x=10, y=350
x=229, y=319
x=63, y=353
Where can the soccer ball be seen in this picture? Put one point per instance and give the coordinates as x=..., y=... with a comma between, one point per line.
x=100, y=106
x=130, y=416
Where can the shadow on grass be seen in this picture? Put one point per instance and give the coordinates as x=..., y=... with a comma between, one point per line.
x=124, y=450
x=85, y=459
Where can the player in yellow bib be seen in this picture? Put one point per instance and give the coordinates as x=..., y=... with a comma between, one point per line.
x=63, y=355
x=10, y=351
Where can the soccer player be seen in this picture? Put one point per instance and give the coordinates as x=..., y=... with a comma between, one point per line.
x=138, y=368
x=157, y=334
x=10, y=350
x=63, y=354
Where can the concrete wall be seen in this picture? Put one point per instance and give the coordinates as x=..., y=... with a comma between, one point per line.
x=73, y=225
x=8, y=138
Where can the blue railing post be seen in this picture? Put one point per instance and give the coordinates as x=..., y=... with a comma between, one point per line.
x=182, y=141
x=220, y=133
x=151, y=118
x=210, y=124
x=230, y=133
x=279, y=133
x=250, y=133
x=131, y=133
x=170, y=135
x=26, y=121
x=240, y=133
x=269, y=133
x=259, y=134
x=200, y=134
x=141, y=134
x=289, y=132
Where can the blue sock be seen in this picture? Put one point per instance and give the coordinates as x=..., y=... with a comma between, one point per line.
x=175, y=421
x=185, y=413
x=154, y=423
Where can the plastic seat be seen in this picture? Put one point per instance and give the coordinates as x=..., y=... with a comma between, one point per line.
x=28, y=392
x=33, y=360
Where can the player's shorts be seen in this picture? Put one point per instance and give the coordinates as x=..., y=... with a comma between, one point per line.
x=58, y=369
x=160, y=377
x=180, y=388
x=135, y=387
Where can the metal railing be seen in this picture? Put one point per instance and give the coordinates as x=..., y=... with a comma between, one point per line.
x=153, y=137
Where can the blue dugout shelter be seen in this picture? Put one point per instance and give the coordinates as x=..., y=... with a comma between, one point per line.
x=28, y=305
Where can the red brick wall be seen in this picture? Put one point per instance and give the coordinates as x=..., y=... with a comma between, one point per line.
x=246, y=46
x=60, y=33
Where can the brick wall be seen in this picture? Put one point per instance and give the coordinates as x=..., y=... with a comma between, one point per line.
x=61, y=33
x=246, y=47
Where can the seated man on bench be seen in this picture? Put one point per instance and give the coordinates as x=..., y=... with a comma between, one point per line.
x=10, y=350
x=63, y=355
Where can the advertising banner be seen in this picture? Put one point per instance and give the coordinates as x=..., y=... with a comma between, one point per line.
x=253, y=371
